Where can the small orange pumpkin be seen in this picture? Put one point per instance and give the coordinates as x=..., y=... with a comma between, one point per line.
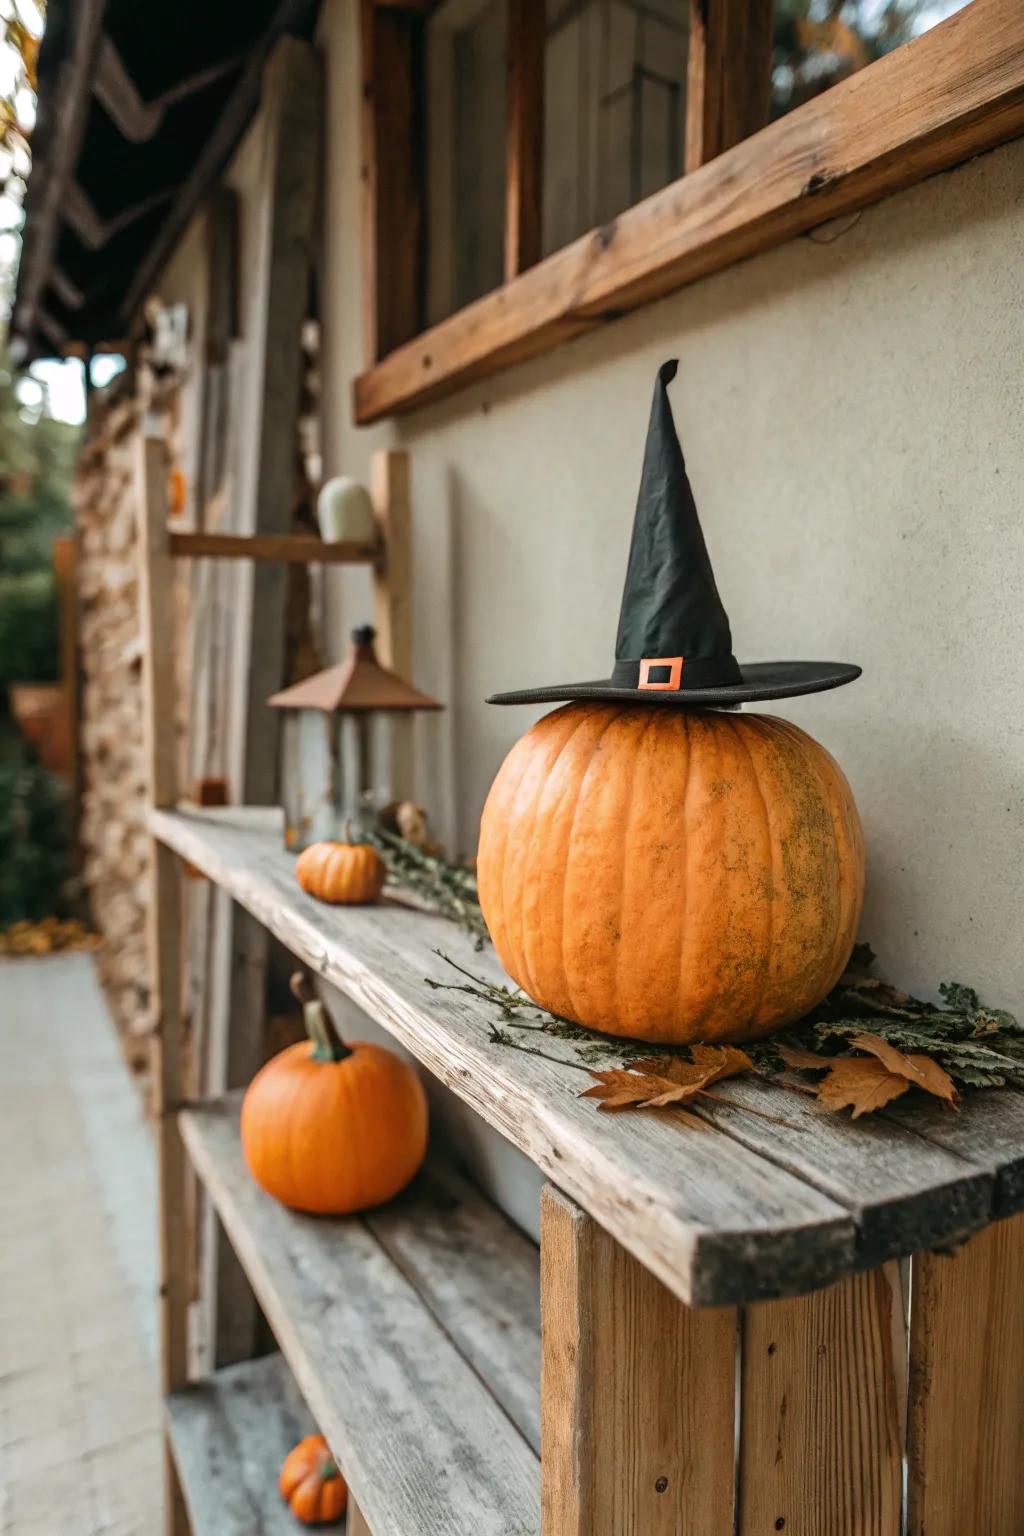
x=333, y=1128
x=311, y=1484
x=671, y=874
x=349, y=874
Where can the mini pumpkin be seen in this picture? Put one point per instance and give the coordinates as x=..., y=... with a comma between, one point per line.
x=333, y=1128
x=311, y=1484
x=348, y=874
x=671, y=874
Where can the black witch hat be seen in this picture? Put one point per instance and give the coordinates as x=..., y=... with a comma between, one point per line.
x=674, y=645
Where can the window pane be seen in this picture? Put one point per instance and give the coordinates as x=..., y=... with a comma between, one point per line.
x=466, y=51
x=615, y=103
x=816, y=43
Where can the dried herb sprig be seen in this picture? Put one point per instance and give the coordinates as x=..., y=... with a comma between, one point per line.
x=451, y=888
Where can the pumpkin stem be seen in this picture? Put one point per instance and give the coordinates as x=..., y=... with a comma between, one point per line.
x=320, y=1027
x=329, y=1469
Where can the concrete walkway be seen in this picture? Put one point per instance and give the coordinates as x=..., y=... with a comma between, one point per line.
x=79, y=1409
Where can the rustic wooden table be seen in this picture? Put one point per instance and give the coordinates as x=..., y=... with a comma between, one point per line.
x=437, y=1363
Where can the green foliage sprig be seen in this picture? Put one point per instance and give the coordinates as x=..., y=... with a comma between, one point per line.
x=450, y=888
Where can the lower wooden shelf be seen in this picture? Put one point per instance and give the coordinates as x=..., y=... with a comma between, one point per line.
x=229, y=1435
x=412, y=1334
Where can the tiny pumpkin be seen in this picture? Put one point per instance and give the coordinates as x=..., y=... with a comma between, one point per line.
x=347, y=874
x=333, y=1128
x=311, y=1484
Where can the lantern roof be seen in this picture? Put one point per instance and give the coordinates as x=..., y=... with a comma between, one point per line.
x=357, y=683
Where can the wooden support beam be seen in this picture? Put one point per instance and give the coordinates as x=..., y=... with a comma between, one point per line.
x=524, y=139
x=966, y=1411
x=156, y=623
x=393, y=222
x=637, y=1393
x=728, y=91
x=820, y=1446
x=272, y=548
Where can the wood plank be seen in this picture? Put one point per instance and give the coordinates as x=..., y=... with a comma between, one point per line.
x=950, y=94
x=820, y=1446
x=164, y=928
x=229, y=1435
x=637, y=1393
x=966, y=1415
x=988, y=1133
x=728, y=91
x=391, y=147
x=903, y=1192
x=524, y=135
x=715, y=1221
x=480, y=1278
x=274, y=548
x=419, y=1437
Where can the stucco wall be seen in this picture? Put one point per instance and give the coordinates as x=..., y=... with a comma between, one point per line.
x=851, y=409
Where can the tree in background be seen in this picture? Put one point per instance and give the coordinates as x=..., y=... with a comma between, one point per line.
x=817, y=43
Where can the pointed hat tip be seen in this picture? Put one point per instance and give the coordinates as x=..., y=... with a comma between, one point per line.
x=668, y=371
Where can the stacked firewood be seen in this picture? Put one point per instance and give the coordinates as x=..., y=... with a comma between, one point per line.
x=112, y=829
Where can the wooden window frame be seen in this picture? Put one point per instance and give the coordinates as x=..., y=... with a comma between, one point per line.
x=954, y=92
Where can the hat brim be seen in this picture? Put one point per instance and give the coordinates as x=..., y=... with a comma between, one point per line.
x=762, y=680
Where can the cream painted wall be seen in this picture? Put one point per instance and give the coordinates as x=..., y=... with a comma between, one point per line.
x=852, y=409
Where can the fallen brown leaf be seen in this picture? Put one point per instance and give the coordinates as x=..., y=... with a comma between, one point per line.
x=867, y=1083
x=659, y=1081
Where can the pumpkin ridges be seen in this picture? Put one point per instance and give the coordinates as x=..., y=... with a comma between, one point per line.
x=731, y=817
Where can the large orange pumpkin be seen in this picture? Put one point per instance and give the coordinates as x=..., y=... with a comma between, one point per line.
x=311, y=1484
x=330, y=1127
x=668, y=874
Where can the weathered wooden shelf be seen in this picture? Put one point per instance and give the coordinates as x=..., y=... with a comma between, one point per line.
x=229, y=1435
x=283, y=548
x=746, y=1211
x=413, y=1335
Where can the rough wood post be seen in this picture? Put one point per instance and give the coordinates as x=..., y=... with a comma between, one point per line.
x=392, y=593
x=637, y=1393
x=820, y=1446
x=156, y=611
x=292, y=109
x=965, y=1444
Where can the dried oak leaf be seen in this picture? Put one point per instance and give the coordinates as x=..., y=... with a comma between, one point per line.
x=866, y=1083
x=657, y=1082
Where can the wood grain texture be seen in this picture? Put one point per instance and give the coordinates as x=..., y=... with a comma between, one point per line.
x=229, y=1435
x=728, y=90
x=637, y=1393
x=419, y=1436
x=273, y=548
x=820, y=1445
x=950, y=94
x=903, y=1191
x=524, y=136
x=715, y=1221
x=966, y=1411
x=989, y=1136
x=164, y=922
x=480, y=1277
x=391, y=149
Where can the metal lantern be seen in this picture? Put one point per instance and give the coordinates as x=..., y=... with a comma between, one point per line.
x=336, y=744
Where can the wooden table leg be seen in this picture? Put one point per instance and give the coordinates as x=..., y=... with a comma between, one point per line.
x=637, y=1393
x=820, y=1446
x=965, y=1444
